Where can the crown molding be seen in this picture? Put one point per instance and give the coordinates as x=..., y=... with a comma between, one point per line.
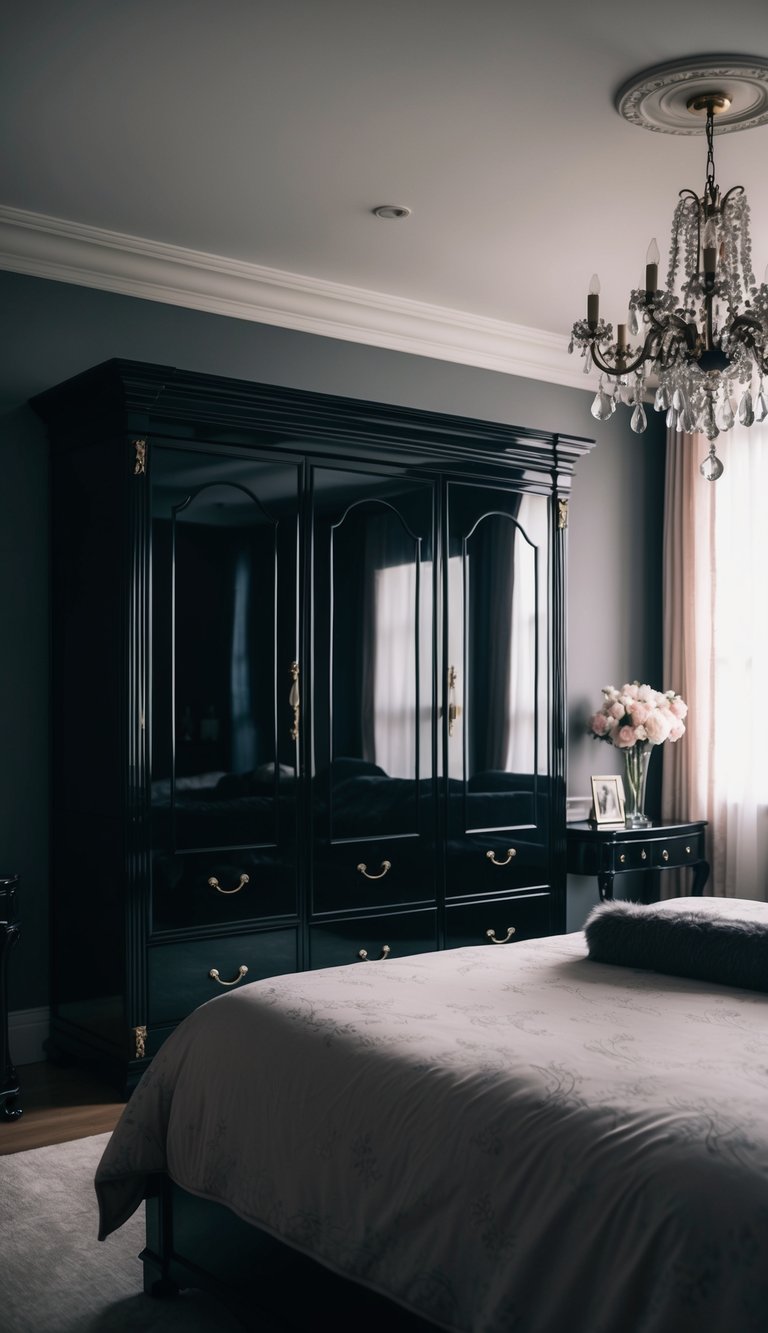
x=47, y=247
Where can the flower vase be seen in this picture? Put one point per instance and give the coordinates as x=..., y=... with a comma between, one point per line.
x=635, y=775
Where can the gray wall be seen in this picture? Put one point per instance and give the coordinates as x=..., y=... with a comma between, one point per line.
x=52, y=330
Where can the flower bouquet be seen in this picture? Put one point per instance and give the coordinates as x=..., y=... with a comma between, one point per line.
x=634, y=719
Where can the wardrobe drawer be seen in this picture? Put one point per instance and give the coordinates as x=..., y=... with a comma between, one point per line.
x=180, y=974
x=503, y=921
x=350, y=876
x=494, y=863
x=372, y=938
x=212, y=888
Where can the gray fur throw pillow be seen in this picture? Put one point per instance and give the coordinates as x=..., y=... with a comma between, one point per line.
x=706, y=947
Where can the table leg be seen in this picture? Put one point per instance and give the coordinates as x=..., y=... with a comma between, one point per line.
x=605, y=885
x=700, y=877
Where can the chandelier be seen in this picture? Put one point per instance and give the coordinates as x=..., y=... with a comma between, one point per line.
x=699, y=345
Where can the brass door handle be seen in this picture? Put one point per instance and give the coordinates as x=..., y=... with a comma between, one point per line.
x=492, y=936
x=385, y=866
x=385, y=952
x=492, y=857
x=294, y=700
x=454, y=709
x=214, y=883
x=241, y=972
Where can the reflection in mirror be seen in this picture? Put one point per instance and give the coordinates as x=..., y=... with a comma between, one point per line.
x=224, y=606
x=214, y=559
x=379, y=640
x=497, y=644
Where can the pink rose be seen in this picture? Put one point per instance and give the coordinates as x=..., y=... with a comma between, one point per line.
x=657, y=726
x=617, y=710
x=624, y=737
x=599, y=724
x=639, y=711
x=678, y=708
x=676, y=730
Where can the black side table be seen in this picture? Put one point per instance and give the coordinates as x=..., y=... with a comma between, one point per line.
x=9, y=933
x=607, y=852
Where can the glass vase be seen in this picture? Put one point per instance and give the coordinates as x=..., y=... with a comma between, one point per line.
x=635, y=777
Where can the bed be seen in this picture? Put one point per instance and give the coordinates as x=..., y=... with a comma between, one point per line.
x=483, y=1140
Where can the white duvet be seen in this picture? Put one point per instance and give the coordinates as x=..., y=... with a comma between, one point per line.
x=504, y=1140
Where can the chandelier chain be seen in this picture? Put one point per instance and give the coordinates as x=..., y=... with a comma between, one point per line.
x=711, y=187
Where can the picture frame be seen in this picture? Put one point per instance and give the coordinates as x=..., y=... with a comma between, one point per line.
x=607, y=800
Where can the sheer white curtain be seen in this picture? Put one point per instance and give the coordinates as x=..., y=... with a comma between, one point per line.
x=716, y=651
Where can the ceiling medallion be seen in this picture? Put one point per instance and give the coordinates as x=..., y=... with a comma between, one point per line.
x=704, y=336
x=657, y=99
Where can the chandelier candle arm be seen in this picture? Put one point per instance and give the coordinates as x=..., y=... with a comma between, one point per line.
x=593, y=302
x=652, y=268
x=704, y=336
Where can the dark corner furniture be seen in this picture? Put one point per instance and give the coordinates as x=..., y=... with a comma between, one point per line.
x=309, y=700
x=608, y=852
x=9, y=933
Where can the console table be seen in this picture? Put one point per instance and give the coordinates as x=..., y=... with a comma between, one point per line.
x=607, y=852
x=9, y=933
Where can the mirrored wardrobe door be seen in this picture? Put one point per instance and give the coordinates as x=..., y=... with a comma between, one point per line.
x=224, y=669
x=373, y=788
x=497, y=686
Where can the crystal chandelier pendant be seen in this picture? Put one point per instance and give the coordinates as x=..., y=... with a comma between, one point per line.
x=638, y=421
x=746, y=411
x=724, y=414
x=603, y=405
x=711, y=468
x=761, y=405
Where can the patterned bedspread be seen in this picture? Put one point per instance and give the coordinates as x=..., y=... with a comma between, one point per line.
x=504, y=1140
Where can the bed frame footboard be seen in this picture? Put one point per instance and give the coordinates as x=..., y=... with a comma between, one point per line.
x=265, y=1285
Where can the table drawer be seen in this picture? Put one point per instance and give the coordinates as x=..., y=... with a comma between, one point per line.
x=180, y=974
x=630, y=856
x=395, y=935
x=503, y=921
x=678, y=851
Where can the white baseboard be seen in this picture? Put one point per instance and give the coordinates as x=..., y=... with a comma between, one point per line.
x=28, y=1030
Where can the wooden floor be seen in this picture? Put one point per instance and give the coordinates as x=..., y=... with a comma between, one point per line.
x=59, y=1105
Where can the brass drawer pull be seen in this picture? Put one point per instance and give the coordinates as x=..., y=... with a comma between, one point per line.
x=687, y=851
x=241, y=972
x=622, y=859
x=643, y=856
x=385, y=866
x=492, y=857
x=665, y=855
x=385, y=952
x=214, y=883
x=492, y=935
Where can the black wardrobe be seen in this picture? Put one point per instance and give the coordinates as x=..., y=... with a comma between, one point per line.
x=308, y=691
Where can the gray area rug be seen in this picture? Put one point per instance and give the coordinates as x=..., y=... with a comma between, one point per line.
x=56, y=1277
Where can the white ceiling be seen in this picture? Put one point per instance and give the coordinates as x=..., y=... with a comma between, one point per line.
x=265, y=133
